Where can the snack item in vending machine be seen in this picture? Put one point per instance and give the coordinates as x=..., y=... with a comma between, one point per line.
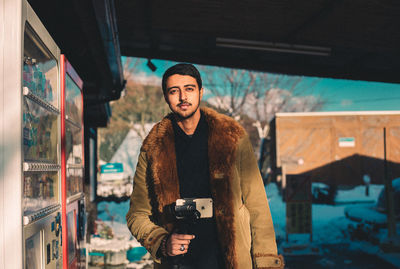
x=48, y=90
x=41, y=183
x=26, y=135
x=41, y=85
x=28, y=188
x=51, y=187
x=35, y=186
x=27, y=75
x=46, y=191
x=35, y=69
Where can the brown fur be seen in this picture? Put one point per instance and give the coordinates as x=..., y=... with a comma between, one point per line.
x=224, y=135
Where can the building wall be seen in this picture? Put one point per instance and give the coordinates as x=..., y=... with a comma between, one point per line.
x=339, y=149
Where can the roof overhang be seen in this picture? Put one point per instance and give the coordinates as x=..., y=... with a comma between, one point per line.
x=356, y=39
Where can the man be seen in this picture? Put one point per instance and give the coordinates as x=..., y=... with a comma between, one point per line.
x=199, y=153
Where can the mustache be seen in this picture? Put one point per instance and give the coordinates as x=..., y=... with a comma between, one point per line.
x=184, y=103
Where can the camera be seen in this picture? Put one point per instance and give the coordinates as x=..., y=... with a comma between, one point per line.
x=187, y=212
x=193, y=208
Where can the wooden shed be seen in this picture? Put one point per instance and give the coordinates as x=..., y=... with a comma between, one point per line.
x=336, y=148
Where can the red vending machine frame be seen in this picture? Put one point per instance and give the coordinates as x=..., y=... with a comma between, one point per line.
x=73, y=205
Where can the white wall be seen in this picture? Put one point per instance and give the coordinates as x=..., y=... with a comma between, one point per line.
x=11, y=12
x=1, y=136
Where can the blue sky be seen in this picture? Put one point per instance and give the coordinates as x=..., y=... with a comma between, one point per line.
x=338, y=94
x=352, y=95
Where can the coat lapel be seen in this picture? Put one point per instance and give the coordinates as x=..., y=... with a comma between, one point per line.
x=224, y=134
x=163, y=174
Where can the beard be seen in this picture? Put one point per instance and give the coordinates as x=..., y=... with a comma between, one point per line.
x=184, y=117
x=181, y=117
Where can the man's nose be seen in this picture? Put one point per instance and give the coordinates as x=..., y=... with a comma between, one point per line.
x=182, y=95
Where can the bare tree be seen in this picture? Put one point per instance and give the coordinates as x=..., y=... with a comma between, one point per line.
x=139, y=105
x=258, y=96
x=131, y=66
x=279, y=93
x=229, y=87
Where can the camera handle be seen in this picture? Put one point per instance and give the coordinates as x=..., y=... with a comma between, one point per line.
x=183, y=227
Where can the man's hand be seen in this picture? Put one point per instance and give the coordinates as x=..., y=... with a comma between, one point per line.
x=178, y=244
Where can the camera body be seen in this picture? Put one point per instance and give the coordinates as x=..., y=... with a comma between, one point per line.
x=193, y=208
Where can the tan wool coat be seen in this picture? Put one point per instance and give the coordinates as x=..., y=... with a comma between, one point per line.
x=245, y=230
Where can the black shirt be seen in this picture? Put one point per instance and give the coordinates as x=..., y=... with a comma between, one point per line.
x=194, y=182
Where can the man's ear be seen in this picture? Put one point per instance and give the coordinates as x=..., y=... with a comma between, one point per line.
x=201, y=93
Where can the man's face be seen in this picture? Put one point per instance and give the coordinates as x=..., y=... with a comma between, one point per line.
x=183, y=95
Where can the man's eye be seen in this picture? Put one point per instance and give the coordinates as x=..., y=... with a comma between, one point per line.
x=173, y=91
x=189, y=89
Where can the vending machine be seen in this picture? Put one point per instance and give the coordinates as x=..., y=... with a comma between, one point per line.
x=41, y=145
x=73, y=199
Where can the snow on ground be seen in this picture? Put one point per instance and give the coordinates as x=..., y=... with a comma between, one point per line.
x=117, y=188
x=357, y=195
x=369, y=248
x=329, y=223
x=367, y=214
x=277, y=208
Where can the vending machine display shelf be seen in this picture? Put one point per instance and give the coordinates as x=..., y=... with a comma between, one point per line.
x=75, y=166
x=40, y=214
x=28, y=93
x=75, y=197
x=41, y=167
x=70, y=121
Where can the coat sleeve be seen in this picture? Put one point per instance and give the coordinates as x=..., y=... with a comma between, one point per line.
x=139, y=217
x=264, y=249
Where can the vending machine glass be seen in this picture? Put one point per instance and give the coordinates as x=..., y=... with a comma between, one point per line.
x=39, y=190
x=41, y=141
x=72, y=234
x=40, y=70
x=40, y=126
x=73, y=100
x=73, y=171
x=73, y=136
x=39, y=133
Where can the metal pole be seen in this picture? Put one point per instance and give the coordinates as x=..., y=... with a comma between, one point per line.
x=389, y=193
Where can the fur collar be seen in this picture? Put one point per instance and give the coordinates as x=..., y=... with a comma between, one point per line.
x=223, y=137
